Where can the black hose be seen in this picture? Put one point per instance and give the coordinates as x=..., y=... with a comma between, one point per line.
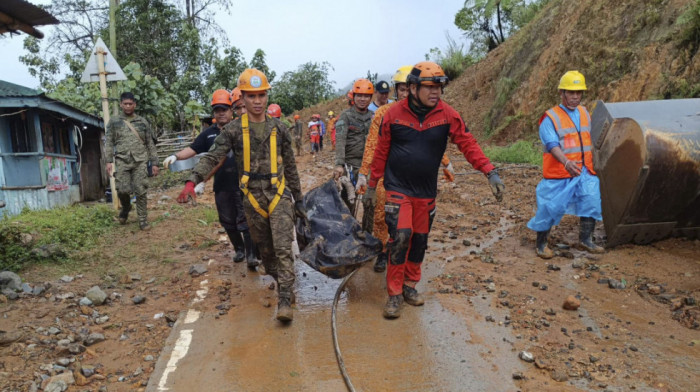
x=339, y=356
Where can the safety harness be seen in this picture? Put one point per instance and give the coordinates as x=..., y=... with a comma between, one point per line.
x=273, y=170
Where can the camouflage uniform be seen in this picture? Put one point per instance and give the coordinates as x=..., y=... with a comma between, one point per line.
x=273, y=235
x=297, y=136
x=131, y=156
x=351, y=131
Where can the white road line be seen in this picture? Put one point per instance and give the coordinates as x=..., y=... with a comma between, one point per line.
x=179, y=352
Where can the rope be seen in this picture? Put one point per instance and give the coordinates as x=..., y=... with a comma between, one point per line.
x=338, y=355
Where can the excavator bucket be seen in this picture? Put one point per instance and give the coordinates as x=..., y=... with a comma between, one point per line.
x=647, y=156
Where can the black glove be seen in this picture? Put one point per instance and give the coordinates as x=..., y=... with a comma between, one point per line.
x=370, y=197
x=299, y=210
x=496, y=184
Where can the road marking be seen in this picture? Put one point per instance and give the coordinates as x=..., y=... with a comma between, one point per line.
x=191, y=316
x=201, y=294
x=179, y=352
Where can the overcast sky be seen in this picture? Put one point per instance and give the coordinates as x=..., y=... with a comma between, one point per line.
x=354, y=36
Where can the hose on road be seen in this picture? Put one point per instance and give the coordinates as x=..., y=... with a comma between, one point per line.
x=334, y=331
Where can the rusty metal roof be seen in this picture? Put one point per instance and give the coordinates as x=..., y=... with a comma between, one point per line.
x=22, y=15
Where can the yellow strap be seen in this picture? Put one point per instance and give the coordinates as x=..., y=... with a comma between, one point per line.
x=246, y=151
x=273, y=203
x=273, y=156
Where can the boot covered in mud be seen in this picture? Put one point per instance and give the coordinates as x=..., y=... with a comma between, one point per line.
x=543, y=250
x=125, y=199
x=284, y=305
x=586, y=236
x=412, y=297
x=392, y=309
x=238, y=245
x=250, y=257
x=380, y=263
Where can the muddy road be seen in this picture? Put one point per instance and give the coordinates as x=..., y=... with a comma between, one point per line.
x=489, y=298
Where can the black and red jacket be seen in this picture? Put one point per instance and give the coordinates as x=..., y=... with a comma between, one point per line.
x=409, y=152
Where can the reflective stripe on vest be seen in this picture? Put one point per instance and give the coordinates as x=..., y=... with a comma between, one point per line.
x=576, y=145
x=273, y=170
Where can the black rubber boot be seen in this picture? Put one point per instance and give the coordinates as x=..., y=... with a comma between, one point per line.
x=125, y=199
x=251, y=260
x=238, y=246
x=380, y=264
x=586, y=236
x=543, y=250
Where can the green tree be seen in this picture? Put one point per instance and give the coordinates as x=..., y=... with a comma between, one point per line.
x=306, y=86
x=225, y=70
x=258, y=62
x=372, y=77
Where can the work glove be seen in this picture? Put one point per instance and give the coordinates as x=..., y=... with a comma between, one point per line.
x=496, y=184
x=169, y=161
x=370, y=197
x=361, y=186
x=338, y=171
x=449, y=172
x=299, y=210
x=199, y=189
x=187, y=193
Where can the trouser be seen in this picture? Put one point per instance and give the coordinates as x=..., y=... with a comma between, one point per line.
x=380, y=229
x=273, y=235
x=320, y=143
x=298, y=144
x=229, y=205
x=350, y=201
x=132, y=177
x=409, y=220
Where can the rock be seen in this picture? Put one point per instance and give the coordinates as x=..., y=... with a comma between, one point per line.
x=139, y=299
x=198, y=269
x=148, y=358
x=26, y=239
x=571, y=303
x=85, y=301
x=553, y=267
x=654, y=290
x=535, y=284
x=593, y=358
x=616, y=284
x=58, y=383
x=452, y=235
x=490, y=319
x=66, y=279
x=518, y=376
x=80, y=380
x=690, y=301
x=550, y=312
x=7, y=338
x=76, y=348
x=94, y=338
x=10, y=280
x=63, y=361
x=491, y=287
x=101, y=320
x=65, y=296
x=134, y=277
x=10, y=294
x=563, y=246
x=603, y=281
x=149, y=281
x=578, y=264
x=96, y=295
x=54, y=331
x=38, y=290
x=49, y=251
x=466, y=243
x=634, y=348
x=87, y=371
x=526, y=356
x=26, y=288
x=559, y=376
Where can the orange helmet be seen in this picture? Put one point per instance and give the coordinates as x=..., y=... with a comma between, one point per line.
x=253, y=80
x=296, y=117
x=362, y=86
x=427, y=73
x=274, y=110
x=221, y=97
x=236, y=95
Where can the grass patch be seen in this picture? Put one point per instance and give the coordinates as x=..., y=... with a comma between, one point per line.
x=519, y=152
x=69, y=229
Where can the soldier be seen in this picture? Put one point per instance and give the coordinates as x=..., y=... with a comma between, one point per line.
x=227, y=194
x=297, y=133
x=352, y=128
x=130, y=143
x=268, y=174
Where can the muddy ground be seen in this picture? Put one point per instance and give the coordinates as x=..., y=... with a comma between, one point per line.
x=483, y=271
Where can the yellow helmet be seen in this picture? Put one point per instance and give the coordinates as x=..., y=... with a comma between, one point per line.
x=401, y=74
x=331, y=113
x=253, y=80
x=573, y=81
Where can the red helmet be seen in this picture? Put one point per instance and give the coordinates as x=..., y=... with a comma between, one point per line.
x=274, y=110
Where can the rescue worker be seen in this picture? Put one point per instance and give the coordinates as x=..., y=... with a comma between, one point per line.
x=381, y=96
x=262, y=147
x=373, y=219
x=129, y=143
x=227, y=194
x=352, y=128
x=412, y=140
x=570, y=184
x=274, y=110
x=238, y=105
x=297, y=133
x=322, y=131
x=314, y=134
x=331, y=127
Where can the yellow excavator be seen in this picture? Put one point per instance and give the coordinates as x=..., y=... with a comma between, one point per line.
x=647, y=156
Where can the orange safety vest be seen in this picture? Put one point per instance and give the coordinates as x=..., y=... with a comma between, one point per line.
x=576, y=145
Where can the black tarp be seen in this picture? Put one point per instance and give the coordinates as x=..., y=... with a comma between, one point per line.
x=332, y=241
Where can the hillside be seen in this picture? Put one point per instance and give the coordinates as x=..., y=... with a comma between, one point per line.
x=628, y=50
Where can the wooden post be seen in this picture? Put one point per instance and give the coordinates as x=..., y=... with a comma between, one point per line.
x=105, y=116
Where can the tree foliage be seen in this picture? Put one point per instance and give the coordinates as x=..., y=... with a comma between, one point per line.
x=306, y=86
x=258, y=62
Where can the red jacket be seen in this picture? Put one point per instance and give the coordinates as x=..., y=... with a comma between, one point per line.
x=409, y=152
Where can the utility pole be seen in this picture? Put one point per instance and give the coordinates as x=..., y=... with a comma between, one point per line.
x=113, y=48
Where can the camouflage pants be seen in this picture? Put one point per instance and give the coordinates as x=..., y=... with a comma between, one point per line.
x=298, y=145
x=273, y=235
x=132, y=177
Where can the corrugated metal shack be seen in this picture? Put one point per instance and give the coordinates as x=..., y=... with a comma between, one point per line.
x=50, y=152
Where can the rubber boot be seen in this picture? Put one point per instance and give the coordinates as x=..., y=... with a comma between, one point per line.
x=586, y=236
x=543, y=250
x=380, y=264
x=125, y=199
x=284, y=305
x=250, y=248
x=238, y=246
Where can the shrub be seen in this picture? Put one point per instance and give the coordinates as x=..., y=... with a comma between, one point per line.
x=519, y=152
